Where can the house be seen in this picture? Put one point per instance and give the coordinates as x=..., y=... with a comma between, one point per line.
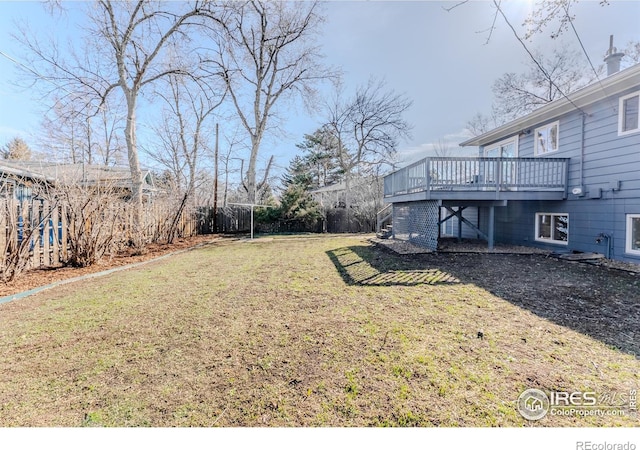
x=20, y=179
x=565, y=177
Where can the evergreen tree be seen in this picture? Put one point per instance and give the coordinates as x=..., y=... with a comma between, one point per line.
x=319, y=160
x=297, y=204
x=298, y=173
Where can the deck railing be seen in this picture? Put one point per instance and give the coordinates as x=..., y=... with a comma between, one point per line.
x=479, y=174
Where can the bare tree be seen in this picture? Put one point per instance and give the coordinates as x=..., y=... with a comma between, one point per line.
x=556, y=14
x=184, y=134
x=183, y=131
x=109, y=148
x=519, y=94
x=16, y=148
x=127, y=46
x=632, y=53
x=551, y=13
x=548, y=79
x=232, y=141
x=364, y=130
x=442, y=148
x=137, y=33
x=70, y=134
x=480, y=124
x=266, y=56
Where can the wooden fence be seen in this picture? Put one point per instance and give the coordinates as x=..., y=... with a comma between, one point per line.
x=36, y=231
x=237, y=219
x=35, y=234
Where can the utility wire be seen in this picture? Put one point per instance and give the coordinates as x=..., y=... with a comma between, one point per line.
x=33, y=71
x=595, y=72
x=515, y=33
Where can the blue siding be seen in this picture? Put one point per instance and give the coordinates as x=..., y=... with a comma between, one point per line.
x=515, y=224
x=609, y=161
x=450, y=227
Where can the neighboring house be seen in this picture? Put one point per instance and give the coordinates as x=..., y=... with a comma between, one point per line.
x=363, y=199
x=22, y=179
x=363, y=192
x=565, y=177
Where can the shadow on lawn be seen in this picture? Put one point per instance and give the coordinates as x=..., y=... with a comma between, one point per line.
x=598, y=302
x=364, y=266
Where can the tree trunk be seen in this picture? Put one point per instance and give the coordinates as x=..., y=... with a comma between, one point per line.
x=251, y=182
x=347, y=199
x=136, y=172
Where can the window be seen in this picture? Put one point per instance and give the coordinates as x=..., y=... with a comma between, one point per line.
x=552, y=228
x=503, y=149
x=628, y=114
x=546, y=139
x=6, y=188
x=633, y=234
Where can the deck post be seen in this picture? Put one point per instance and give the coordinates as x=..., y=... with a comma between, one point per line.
x=427, y=175
x=460, y=220
x=491, y=226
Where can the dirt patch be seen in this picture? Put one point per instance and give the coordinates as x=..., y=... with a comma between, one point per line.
x=41, y=277
x=599, y=297
x=476, y=246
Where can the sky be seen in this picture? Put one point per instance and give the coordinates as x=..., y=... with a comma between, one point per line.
x=441, y=60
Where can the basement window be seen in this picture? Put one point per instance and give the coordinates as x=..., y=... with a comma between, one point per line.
x=552, y=228
x=628, y=113
x=633, y=234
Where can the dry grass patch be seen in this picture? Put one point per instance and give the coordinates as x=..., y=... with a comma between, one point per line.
x=309, y=332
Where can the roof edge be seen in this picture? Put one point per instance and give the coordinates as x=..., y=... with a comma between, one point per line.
x=611, y=85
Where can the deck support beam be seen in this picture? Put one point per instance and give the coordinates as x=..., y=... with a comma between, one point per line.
x=492, y=216
x=461, y=219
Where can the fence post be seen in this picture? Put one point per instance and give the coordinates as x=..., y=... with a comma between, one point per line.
x=43, y=233
x=63, y=233
x=4, y=211
x=53, y=235
x=427, y=166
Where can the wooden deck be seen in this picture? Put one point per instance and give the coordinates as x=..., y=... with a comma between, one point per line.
x=479, y=179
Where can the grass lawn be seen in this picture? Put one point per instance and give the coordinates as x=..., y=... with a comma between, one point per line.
x=315, y=331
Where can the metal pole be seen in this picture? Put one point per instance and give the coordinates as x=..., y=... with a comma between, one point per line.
x=251, y=222
x=251, y=205
x=215, y=185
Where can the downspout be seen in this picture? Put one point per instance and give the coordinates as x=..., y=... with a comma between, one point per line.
x=583, y=117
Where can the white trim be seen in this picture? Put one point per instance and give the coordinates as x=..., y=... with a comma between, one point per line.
x=535, y=138
x=628, y=247
x=547, y=240
x=621, y=114
x=502, y=143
